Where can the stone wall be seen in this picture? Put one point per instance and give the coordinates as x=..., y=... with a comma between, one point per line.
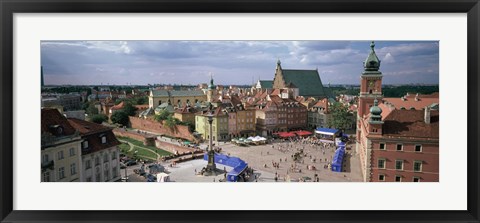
x=147, y=139
x=179, y=131
x=173, y=148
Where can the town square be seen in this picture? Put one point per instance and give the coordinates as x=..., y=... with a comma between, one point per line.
x=375, y=122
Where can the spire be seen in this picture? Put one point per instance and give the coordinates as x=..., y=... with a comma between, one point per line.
x=372, y=63
x=211, y=86
x=279, y=66
x=41, y=73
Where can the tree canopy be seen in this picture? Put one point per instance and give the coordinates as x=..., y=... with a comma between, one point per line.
x=340, y=117
x=99, y=118
x=120, y=117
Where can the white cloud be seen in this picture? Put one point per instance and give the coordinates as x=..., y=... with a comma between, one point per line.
x=388, y=58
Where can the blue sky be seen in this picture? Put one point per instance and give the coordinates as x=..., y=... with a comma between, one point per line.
x=232, y=62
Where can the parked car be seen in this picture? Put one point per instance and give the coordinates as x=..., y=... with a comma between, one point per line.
x=151, y=178
x=131, y=162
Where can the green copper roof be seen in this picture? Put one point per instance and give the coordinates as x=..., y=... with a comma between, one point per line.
x=266, y=84
x=307, y=81
x=211, y=85
x=372, y=63
x=375, y=112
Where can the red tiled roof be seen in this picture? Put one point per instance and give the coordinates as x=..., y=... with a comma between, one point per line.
x=275, y=92
x=410, y=123
x=93, y=133
x=186, y=110
x=52, y=117
x=118, y=107
x=141, y=107
x=410, y=102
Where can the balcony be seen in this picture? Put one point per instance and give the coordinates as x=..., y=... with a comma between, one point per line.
x=47, y=165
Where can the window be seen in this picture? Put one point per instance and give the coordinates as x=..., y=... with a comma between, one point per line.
x=381, y=177
x=398, y=178
x=381, y=163
x=114, y=172
x=114, y=155
x=46, y=177
x=73, y=169
x=97, y=161
x=105, y=175
x=399, y=147
x=72, y=151
x=61, y=173
x=60, y=155
x=382, y=146
x=88, y=164
x=45, y=158
x=97, y=175
x=85, y=144
x=89, y=179
x=418, y=148
x=104, y=139
x=399, y=164
x=105, y=157
x=416, y=179
x=417, y=166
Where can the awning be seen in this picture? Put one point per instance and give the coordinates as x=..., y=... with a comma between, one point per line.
x=286, y=134
x=303, y=133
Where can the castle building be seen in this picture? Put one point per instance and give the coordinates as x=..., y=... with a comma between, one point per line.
x=395, y=145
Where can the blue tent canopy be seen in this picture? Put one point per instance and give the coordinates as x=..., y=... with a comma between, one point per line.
x=337, y=162
x=326, y=131
x=238, y=165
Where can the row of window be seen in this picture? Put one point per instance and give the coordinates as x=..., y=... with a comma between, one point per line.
x=60, y=155
x=383, y=146
x=417, y=164
x=381, y=177
x=88, y=163
x=105, y=175
x=60, y=173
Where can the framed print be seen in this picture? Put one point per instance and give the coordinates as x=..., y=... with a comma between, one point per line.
x=260, y=111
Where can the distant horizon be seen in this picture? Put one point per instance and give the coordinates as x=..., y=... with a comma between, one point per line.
x=241, y=62
x=145, y=85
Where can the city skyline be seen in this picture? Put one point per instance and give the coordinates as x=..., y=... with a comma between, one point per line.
x=231, y=62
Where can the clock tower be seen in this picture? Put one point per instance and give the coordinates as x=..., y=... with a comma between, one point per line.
x=370, y=84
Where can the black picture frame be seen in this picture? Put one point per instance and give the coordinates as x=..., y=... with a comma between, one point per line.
x=9, y=7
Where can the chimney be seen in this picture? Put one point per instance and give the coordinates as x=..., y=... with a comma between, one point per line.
x=427, y=115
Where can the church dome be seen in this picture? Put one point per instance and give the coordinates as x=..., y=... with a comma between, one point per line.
x=372, y=63
x=375, y=110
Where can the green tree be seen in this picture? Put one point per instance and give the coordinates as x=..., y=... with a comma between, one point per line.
x=120, y=117
x=99, y=119
x=91, y=109
x=129, y=109
x=170, y=122
x=141, y=100
x=340, y=117
x=163, y=115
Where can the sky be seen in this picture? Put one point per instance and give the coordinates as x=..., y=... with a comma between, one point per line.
x=232, y=62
